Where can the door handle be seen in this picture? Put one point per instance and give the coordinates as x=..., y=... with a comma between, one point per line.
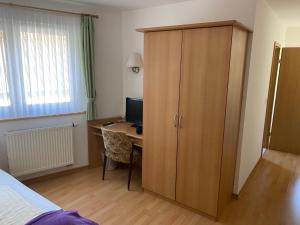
x=175, y=120
x=179, y=123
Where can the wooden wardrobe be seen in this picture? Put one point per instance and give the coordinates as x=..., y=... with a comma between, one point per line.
x=192, y=104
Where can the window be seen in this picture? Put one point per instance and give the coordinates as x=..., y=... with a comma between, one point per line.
x=45, y=68
x=4, y=91
x=40, y=64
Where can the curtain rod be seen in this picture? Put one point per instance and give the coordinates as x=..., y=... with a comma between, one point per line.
x=45, y=9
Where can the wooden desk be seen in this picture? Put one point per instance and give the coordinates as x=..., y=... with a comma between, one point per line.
x=122, y=127
x=96, y=142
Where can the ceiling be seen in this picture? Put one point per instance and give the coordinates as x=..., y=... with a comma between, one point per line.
x=129, y=4
x=287, y=10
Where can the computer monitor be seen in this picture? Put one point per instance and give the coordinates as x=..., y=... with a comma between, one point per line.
x=134, y=111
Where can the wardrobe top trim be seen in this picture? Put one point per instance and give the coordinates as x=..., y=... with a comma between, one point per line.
x=196, y=25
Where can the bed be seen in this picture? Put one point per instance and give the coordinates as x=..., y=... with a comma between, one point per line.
x=18, y=203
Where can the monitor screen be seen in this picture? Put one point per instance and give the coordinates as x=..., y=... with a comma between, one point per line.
x=134, y=110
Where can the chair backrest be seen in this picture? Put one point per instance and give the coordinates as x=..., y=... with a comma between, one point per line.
x=117, y=145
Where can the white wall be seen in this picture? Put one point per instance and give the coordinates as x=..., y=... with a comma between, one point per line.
x=267, y=29
x=292, y=37
x=179, y=13
x=109, y=82
x=108, y=78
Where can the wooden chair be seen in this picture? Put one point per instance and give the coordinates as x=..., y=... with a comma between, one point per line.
x=118, y=147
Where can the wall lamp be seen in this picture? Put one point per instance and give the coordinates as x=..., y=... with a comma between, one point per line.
x=135, y=62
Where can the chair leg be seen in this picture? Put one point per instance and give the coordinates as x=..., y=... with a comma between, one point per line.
x=104, y=166
x=130, y=169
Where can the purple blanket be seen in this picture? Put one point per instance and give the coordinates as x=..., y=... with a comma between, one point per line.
x=60, y=217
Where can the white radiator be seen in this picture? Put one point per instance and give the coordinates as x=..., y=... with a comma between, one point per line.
x=41, y=149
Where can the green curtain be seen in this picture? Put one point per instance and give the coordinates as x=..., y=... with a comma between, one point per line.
x=88, y=58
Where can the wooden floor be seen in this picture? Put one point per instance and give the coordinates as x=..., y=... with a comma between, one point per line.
x=270, y=197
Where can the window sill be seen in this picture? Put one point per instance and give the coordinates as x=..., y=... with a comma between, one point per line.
x=40, y=117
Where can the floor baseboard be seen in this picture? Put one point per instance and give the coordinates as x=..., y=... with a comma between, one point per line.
x=53, y=175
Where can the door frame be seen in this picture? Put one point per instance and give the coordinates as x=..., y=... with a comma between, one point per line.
x=271, y=97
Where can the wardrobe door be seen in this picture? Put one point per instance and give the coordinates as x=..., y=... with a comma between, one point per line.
x=161, y=96
x=203, y=93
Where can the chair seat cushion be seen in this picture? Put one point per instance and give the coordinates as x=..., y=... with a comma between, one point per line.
x=122, y=157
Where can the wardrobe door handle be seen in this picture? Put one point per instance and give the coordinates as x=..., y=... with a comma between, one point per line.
x=180, y=119
x=175, y=121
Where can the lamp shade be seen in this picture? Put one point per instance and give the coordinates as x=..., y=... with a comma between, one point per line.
x=134, y=60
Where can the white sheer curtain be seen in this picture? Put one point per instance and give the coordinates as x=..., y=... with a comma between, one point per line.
x=40, y=64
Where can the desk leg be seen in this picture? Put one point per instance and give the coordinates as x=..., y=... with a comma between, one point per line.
x=95, y=145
